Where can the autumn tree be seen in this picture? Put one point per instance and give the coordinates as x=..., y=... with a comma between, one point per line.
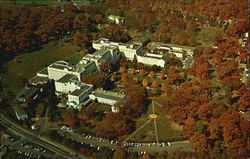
x=114, y=125
x=115, y=33
x=178, y=114
x=205, y=111
x=124, y=77
x=70, y=118
x=144, y=82
x=151, y=74
x=84, y=52
x=233, y=125
x=189, y=127
x=81, y=40
x=155, y=84
x=132, y=71
x=98, y=80
x=162, y=75
x=214, y=129
x=106, y=67
x=122, y=69
x=142, y=72
x=238, y=149
x=200, y=142
x=229, y=74
x=137, y=102
x=173, y=74
x=99, y=18
x=113, y=77
x=244, y=99
x=136, y=79
x=163, y=86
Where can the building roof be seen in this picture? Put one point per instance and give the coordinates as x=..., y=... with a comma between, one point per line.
x=19, y=110
x=38, y=79
x=65, y=78
x=154, y=45
x=78, y=92
x=60, y=65
x=108, y=94
x=44, y=71
x=101, y=52
x=27, y=92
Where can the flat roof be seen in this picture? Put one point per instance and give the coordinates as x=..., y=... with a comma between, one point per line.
x=101, y=52
x=65, y=78
x=78, y=92
x=159, y=51
x=108, y=94
x=37, y=79
x=61, y=67
x=44, y=71
x=153, y=45
x=136, y=46
x=80, y=66
x=26, y=92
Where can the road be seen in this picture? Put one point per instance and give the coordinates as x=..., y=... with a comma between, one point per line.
x=184, y=145
x=61, y=150
x=57, y=148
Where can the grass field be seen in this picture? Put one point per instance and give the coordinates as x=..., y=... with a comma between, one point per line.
x=206, y=35
x=167, y=129
x=28, y=64
x=141, y=78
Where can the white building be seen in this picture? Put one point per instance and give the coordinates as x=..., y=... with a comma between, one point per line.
x=131, y=51
x=116, y=19
x=67, y=84
x=108, y=97
x=68, y=77
x=76, y=97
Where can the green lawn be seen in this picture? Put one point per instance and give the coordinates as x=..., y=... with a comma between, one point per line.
x=28, y=64
x=150, y=80
x=166, y=128
x=207, y=34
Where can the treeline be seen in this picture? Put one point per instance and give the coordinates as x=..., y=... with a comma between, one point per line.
x=180, y=21
x=200, y=10
x=211, y=104
x=26, y=28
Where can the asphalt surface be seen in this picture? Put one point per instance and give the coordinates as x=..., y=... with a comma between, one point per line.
x=57, y=148
x=62, y=150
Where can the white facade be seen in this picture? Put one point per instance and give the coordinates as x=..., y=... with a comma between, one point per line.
x=131, y=51
x=59, y=69
x=76, y=97
x=116, y=19
x=151, y=60
x=107, y=97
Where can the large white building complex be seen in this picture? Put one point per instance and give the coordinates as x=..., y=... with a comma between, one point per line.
x=68, y=77
x=153, y=56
